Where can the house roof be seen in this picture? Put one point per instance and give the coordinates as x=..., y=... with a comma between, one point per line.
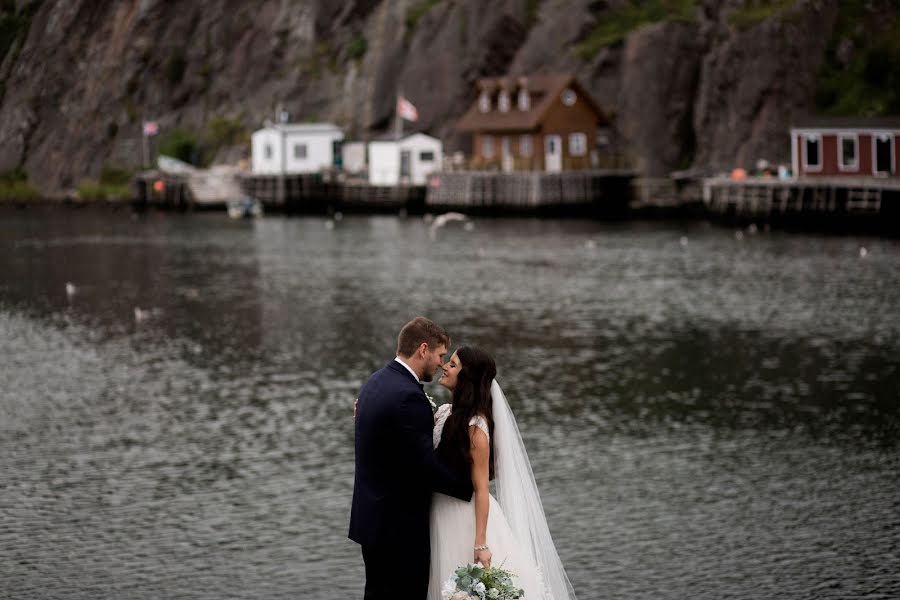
x=544, y=90
x=389, y=136
x=868, y=123
x=305, y=127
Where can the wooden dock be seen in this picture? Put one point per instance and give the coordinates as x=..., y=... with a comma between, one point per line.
x=764, y=197
x=475, y=192
x=323, y=193
x=812, y=200
x=575, y=192
x=161, y=190
x=200, y=189
x=306, y=192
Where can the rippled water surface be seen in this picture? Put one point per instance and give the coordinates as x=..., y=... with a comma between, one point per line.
x=707, y=416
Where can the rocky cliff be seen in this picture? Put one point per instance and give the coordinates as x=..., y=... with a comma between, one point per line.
x=711, y=83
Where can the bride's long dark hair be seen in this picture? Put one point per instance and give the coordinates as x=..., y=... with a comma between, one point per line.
x=471, y=397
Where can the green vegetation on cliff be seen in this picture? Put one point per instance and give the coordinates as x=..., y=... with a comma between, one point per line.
x=14, y=187
x=14, y=27
x=113, y=185
x=14, y=24
x=417, y=11
x=612, y=25
x=860, y=75
x=200, y=147
x=755, y=12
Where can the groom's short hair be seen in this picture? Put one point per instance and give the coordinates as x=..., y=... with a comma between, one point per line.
x=421, y=330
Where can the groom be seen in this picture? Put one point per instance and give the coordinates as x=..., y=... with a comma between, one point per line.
x=396, y=470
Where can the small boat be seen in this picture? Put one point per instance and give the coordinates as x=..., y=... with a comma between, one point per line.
x=245, y=208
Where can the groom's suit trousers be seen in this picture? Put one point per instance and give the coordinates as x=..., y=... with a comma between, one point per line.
x=396, y=573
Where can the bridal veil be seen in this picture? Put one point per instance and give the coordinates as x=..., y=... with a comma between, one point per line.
x=518, y=496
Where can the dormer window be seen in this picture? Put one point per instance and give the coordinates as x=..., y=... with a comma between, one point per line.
x=503, y=101
x=524, y=100
x=484, y=102
x=568, y=97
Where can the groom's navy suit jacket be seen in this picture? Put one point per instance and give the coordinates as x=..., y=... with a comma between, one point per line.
x=396, y=469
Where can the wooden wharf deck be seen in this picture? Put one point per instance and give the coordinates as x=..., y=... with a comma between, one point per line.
x=291, y=193
x=174, y=193
x=598, y=192
x=327, y=193
x=764, y=197
x=830, y=201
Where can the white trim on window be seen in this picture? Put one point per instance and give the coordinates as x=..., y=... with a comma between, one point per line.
x=577, y=144
x=807, y=138
x=795, y=160
x=843, y=163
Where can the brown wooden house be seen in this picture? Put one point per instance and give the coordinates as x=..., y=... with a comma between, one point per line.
x=533, y=123
x=846, y=146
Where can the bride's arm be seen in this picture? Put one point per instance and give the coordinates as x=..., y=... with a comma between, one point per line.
x=481, y=452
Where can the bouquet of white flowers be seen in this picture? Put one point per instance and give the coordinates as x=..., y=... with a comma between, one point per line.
x=474, y=582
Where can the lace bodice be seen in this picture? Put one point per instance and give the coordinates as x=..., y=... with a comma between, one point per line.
x=440, y=417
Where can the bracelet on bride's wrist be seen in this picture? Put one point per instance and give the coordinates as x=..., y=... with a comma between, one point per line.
x=482, y=547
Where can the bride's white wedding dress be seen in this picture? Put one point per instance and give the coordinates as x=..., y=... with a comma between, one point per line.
x=518, y=537
x=453, y=533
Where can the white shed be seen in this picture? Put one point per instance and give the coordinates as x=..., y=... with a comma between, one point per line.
x=295, y=148
x=408, y=160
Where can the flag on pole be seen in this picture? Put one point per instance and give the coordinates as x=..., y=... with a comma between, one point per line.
x=151, y=128
x=406, y=109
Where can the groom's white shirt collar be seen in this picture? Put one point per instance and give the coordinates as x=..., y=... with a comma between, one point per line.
x=408, y=368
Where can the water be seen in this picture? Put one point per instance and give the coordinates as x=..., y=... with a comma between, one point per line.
x=710, y=417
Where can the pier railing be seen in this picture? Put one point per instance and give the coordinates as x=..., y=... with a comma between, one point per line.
x=766, y=197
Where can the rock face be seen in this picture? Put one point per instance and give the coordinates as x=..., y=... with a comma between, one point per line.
x=660, y=76
x=751, y=85
x=698, y=93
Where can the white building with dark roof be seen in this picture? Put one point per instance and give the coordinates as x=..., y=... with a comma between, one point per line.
x=406, y=161
x=287, y=148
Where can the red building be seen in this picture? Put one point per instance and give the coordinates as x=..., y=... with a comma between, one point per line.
x=846, y=146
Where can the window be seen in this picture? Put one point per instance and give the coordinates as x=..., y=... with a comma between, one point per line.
x=487, y=147
x=484, y=102
x=300, y=151
x=568, y=97
x=503, y=101
x=426, y=156
x=577, y=144
x=884, y=153
x=550, y=144
x=525, y=148
x=848, y=158
x=267, y=150
x=811, y=159
x=524, y=100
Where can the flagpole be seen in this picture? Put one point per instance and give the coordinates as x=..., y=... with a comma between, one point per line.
x=398, y=120
x=144, y=150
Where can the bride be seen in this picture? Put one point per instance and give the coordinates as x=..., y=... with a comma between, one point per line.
x=476, y=434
